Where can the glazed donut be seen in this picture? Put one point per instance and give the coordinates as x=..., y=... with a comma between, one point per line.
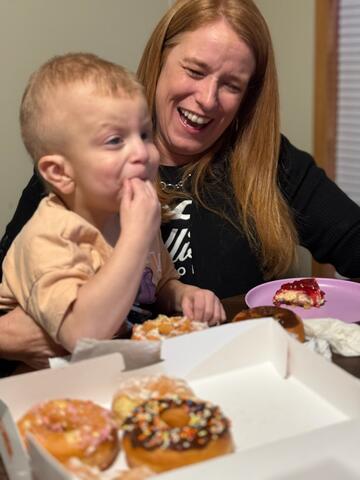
x=73, y=428
x=135, y=391
x=287, y=318
x=163, y=327
x=172, y=432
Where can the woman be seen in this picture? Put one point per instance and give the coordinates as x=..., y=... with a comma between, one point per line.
x=244, y=196
x=240, y=196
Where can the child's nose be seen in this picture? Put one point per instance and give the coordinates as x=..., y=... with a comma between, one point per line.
x=140, y=152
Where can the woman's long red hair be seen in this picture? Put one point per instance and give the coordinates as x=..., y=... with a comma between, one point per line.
x=252, y=141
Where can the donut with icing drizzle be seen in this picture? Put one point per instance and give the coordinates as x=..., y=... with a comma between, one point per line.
x=286, y=318
x=73, y=428
x=163, y=327
x=169, y=433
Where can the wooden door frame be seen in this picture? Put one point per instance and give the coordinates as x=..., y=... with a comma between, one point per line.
x=325, y=97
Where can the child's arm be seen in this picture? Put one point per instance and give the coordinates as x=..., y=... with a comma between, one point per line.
x=195, y=303
x=104, y=301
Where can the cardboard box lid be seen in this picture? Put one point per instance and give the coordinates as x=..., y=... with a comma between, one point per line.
x=22, y=391
x=12, y=450
x=208, y=353
x=331, y=453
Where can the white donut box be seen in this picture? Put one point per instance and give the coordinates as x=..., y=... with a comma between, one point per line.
x=294, y=414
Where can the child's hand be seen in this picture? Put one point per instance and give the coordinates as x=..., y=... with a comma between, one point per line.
x=203, y=306
x=140, y=209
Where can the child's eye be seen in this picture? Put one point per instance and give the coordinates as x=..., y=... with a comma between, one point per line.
x=146, y=135
x=116, y=140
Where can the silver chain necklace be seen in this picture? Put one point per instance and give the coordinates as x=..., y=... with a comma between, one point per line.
x=174, y=187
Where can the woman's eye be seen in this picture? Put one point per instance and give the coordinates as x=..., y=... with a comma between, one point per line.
x=194, y=73
x=232, y=87
x=114, y=141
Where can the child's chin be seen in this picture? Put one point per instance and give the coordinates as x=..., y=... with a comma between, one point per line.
x=144, y=178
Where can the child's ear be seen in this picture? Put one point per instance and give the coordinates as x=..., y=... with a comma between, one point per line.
x=57, y=172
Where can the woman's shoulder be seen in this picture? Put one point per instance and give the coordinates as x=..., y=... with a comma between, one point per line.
x=291, y=157
x=296, y=168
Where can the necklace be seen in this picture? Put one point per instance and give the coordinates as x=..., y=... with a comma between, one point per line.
x=174, y=187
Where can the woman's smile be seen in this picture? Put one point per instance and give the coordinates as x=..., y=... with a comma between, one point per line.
x=193, y=120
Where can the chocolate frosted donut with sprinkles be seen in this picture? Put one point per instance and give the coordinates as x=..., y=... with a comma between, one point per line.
x=169, y=433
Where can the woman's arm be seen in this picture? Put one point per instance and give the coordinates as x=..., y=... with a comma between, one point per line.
x=328, y=221
x=23, y=340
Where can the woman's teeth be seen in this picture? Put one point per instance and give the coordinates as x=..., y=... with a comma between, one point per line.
x=194, y=119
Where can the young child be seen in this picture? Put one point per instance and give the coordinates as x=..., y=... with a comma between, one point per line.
x=77, y=265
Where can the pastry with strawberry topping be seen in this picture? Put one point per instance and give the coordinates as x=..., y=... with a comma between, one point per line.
x=304, y=293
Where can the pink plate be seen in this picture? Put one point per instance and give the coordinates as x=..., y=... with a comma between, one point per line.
x=342, y=299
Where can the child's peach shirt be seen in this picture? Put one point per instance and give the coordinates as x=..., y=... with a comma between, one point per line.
x=55, y=253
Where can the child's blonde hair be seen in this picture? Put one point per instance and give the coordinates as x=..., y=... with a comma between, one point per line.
x=107, y=78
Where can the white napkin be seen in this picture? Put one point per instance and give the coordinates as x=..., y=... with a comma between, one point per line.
x=344, y=338
x=320, y=346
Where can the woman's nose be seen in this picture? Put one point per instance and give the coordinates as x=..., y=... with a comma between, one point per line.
x=207, y=94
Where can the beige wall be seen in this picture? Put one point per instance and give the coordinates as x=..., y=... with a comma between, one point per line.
x=292, y=27
x=31, y=31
